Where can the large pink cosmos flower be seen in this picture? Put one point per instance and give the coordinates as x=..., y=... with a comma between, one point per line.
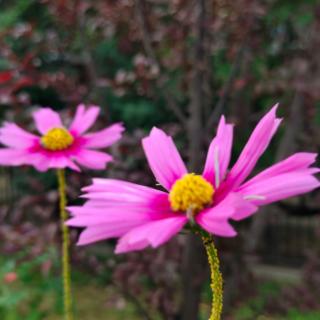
x=143, y=216
x=58, y=147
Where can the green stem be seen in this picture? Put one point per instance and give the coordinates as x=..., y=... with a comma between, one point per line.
x=66, y=272
x=215, y=275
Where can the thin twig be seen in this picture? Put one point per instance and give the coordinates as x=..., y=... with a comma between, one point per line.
x=213, y=118
x=149, y=49
x=197, y=94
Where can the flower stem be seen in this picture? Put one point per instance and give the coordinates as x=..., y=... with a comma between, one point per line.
x=215, y=275
x=66, y=272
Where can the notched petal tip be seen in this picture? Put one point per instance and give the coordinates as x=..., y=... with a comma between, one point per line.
x=85, y=196
x=81, y=243
x=120, y=125
x=69, y=223
x=72, y=210
x=155, y=131
x=227, y=232
x=84, y=118
x=233, y=233
x=275, y=107
x=86, y=189
x=118, y=250
x=82, y=108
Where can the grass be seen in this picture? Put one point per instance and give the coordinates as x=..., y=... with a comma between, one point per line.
x=93, y=302
x=37, y=295
x=254, y=308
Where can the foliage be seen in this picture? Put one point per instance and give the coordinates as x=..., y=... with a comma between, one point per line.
x=32, y=289
x=26, y=287
x=256, y=306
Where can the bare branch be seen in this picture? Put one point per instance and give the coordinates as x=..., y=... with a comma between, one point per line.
x=148, y=47
x=216, y=113
x=197, y=88
x=146, y=39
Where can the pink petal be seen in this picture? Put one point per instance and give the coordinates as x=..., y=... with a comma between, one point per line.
x=256, y=145
x=14, y=157
x=92, y=159
x=73, y=166
x=218, y=228
x=219, y=154
x=298, y=161
x=125, y=247
x=61, y=163
x=41, y=161
x=44, y=161
x=163, y=157
x=106, y=185
x=110, y=191
x=103, y=232
x=84, y=119
x=129, y=197
x=117, y=211
x=159, y=206
x=153, y=233
x=46, y=119
x=104, y=138
x=13, y=136
x=243, y=208
x=215, y=219
x=274, y=188
x=86, y=216
x=103, y=223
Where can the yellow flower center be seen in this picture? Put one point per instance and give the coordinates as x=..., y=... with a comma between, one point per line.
x=191, y=193
x=57, y=139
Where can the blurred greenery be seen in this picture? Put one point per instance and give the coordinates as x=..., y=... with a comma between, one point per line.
x=31, y=291
x=27, y=294
x=34, y=294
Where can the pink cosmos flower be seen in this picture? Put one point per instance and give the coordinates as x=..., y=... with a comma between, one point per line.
x=141, y=216
x=58, y=147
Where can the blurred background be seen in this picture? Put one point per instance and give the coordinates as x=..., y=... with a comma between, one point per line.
x=179, y=65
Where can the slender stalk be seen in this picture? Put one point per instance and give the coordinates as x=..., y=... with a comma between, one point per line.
x=215, y=275
x=66, y=272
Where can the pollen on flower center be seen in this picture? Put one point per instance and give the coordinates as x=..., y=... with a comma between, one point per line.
x=57, y=139
x=191, y=192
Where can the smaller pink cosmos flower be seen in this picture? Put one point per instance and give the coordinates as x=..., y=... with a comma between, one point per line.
x=142, y=216
x=58, y=147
